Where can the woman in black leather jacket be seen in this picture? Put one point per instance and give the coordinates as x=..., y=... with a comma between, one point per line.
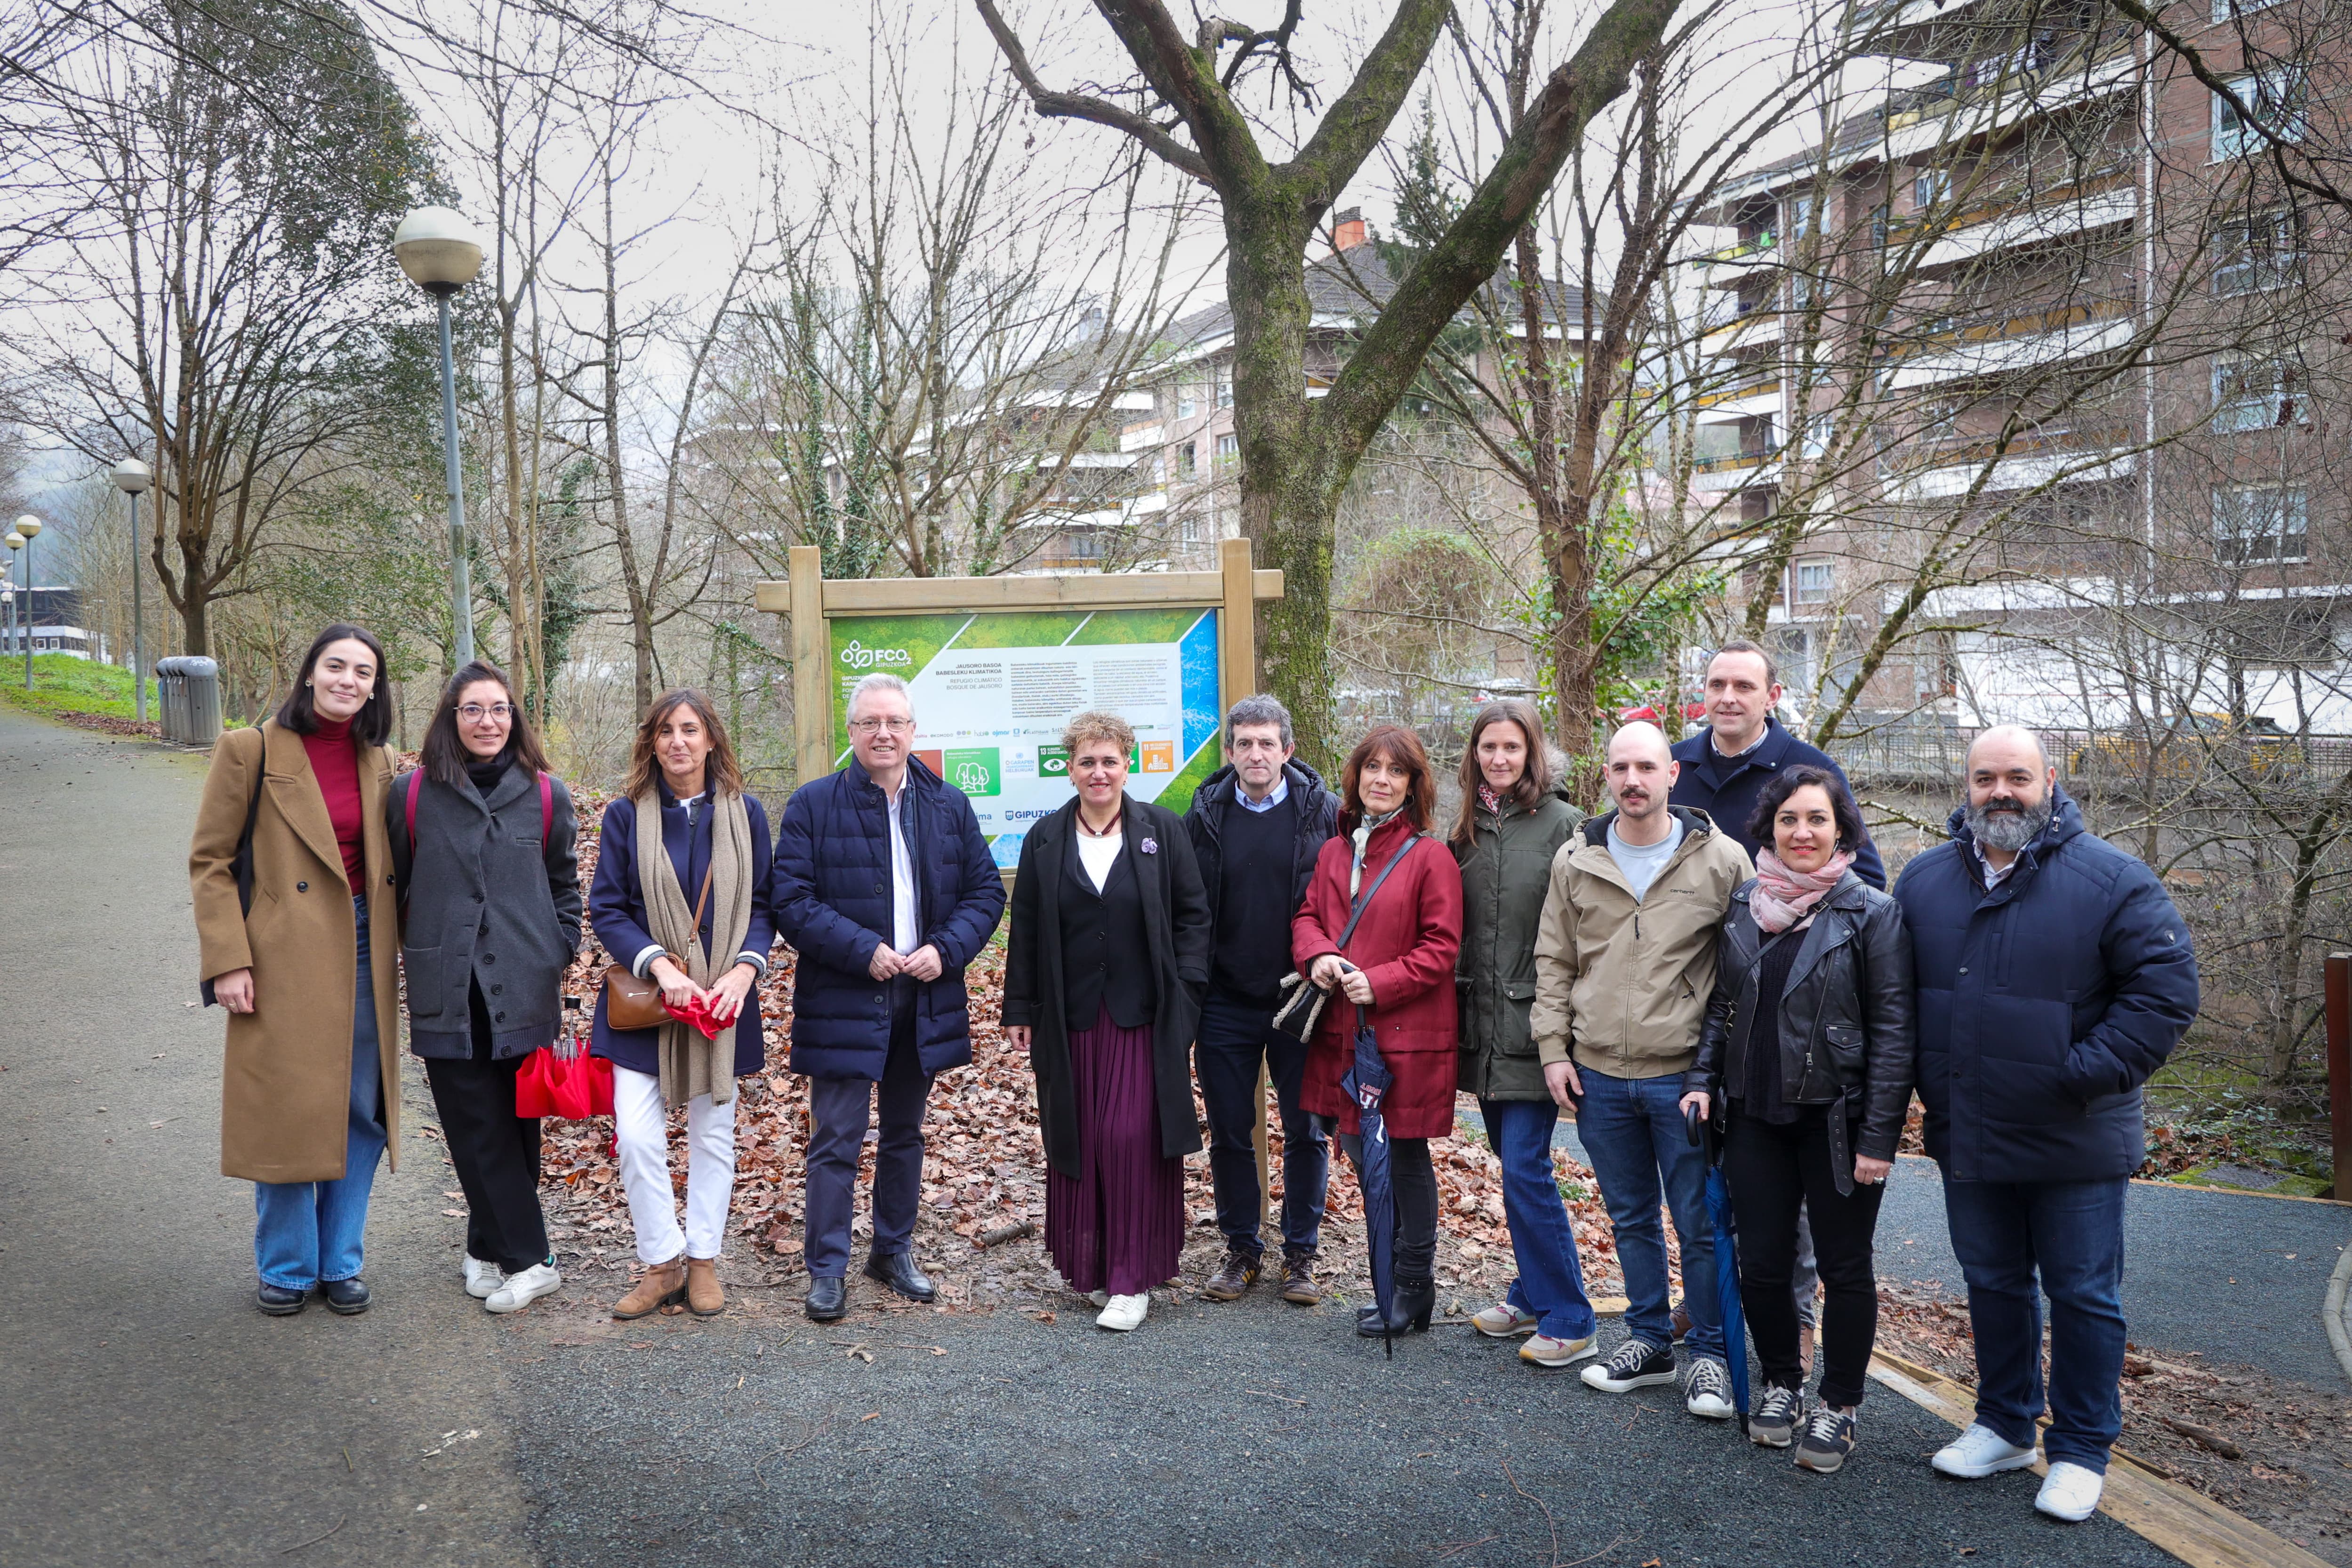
x=1808, y=1057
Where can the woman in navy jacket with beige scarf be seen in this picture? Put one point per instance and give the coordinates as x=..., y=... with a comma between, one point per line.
x=684, y=824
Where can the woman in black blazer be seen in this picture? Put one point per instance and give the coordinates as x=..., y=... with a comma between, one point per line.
x=1107, y=960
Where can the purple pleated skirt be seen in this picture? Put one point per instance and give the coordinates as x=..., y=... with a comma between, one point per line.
x=1119, y=1226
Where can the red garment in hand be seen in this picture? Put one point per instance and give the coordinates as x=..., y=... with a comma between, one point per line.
x=698, y=1013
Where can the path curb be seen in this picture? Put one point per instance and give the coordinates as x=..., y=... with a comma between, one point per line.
x=2339, y=1331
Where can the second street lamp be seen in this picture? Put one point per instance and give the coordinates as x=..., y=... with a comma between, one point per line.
x=438, y=250
x=131, y=477
x=27, y=527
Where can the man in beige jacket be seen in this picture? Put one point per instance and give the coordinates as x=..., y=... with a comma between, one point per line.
x=1625, y=963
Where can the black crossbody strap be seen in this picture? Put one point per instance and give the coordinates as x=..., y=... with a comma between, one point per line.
x=1364, y=899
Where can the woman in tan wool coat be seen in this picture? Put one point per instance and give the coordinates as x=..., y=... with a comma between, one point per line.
x=303, y=959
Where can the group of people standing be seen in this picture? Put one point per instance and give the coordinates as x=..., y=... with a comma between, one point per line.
x=1717, y=948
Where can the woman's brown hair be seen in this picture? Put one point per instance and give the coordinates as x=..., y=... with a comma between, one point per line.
x=1534, y=779
x=719, y=769
x=1402, y=749
x=444, y=756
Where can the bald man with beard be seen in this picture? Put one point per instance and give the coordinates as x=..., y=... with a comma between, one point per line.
x=1624, y=964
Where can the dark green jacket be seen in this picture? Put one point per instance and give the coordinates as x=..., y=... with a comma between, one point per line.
x=1505, y=872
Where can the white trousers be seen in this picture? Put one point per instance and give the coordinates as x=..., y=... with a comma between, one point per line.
x=642, y=1124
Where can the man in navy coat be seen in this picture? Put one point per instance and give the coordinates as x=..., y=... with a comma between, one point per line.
x=2054, y=978
x=886, y=888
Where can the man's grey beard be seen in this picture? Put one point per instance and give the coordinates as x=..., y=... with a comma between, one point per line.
x=2008, y=831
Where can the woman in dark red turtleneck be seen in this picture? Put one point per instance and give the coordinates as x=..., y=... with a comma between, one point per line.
x=302, y=955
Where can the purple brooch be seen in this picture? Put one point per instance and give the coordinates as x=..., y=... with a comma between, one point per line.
x=1150, y=847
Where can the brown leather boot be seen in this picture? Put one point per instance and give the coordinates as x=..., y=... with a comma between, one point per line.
x=1299, y=1285
x=704, y=1297
x=661, y=1284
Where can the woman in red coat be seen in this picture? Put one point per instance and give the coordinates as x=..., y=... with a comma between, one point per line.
x=1398, y=966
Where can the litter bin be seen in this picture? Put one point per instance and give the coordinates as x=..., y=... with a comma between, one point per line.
x=189, y=689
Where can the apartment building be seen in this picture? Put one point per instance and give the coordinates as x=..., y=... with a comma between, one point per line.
x=2018, y=381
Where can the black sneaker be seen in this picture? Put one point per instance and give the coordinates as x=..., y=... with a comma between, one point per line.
x=1773, y=1422
x=1827, y=1439
x=1636, y=1364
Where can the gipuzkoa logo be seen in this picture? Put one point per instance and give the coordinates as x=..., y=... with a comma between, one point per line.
x=858, y=657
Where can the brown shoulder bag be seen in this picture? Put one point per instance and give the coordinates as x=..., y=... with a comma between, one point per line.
x=631, y=1003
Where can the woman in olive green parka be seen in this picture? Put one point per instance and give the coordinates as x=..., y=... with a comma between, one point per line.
x=1512, y=821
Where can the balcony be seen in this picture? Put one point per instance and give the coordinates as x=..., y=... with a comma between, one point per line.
x=1993, y=97
x=1736, y=471
x=2032, y=217
x=1948, y=466
x=1759, y=402
x=1993, y=345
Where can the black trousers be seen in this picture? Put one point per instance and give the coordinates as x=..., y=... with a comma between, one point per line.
x=1772, y=1172
x=1233, y=1038
x=1415, y=1181
x=495, y=1151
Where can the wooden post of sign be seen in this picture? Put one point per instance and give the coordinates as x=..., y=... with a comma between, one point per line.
x=2339, y=1071
x=1237, y=678
x=812, y=666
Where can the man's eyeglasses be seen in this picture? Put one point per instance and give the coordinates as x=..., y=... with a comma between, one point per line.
x=896, y=726
x=473, y=712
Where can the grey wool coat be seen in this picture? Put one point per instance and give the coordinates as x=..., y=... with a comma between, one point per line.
x=483, y=899
x=1505, y=872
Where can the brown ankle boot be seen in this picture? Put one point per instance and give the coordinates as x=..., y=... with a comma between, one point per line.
x=704, y=1297
x=661, y=1285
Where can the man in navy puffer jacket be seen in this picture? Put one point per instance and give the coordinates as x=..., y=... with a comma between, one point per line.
x=2054, y=978
x=886, y=888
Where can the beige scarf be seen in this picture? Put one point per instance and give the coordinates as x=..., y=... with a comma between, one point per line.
x=690, y=1064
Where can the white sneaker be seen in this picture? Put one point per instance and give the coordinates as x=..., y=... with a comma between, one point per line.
x=1708, y=1390
x=1123, y=1313
x=481, y=1277
x=519, y=1291
x=1978, y=1452
x=1502, y=1321
x=1542, y=1350
x=2070, y=1492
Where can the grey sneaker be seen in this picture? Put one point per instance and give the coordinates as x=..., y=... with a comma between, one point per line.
x=1773, y=1422
x=1827, y=1439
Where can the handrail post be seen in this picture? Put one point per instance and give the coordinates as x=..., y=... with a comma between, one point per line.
x=2339, y=1071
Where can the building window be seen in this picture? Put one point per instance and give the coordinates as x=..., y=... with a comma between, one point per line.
x=1191, y=529
x=2255, y=524
x=2274, y=96
x=1186, y=404
x=1188, y=461
x=2259, y=251
x=1229, y=449
x=2228, y=10
x=1815, y=581
x=2253, y=391
x=1082, y=544
x=1225, y=387
x=1929, y=187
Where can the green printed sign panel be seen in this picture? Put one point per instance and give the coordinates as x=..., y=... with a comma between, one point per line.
x=992, y=691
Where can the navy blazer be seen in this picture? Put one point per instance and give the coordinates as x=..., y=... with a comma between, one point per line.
x=616, y=913
x=832, y=904
x=2045, y=1005
x=1725, y=788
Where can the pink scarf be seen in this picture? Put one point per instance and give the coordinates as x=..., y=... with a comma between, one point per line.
x=1785, y=898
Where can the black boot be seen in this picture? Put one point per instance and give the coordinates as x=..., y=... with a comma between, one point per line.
x=1409, y=1306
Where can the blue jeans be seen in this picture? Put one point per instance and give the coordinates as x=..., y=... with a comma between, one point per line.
x=1233, y=1038
x=1633, y=1128
x=306, y=1232
x=1550, y=1283
x=2071, y=1234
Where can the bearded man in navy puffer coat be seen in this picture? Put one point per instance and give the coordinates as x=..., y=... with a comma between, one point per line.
x=2054, y=978
x=886, y=888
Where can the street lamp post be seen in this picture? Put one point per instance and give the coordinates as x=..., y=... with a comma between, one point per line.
x=437, y=247
x=8, y=601
x=27, y=527
x=131, y=477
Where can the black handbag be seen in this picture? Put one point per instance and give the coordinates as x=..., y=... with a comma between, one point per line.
x=241, y=864
x=1303, y=1006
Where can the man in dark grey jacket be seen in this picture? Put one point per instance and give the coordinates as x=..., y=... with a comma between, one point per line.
x=1256, y=826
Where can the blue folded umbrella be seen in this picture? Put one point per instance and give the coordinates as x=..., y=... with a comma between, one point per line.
x=1727, y=1262
x=1367, y=1082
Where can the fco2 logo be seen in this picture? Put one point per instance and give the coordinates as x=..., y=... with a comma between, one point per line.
x=857, y=656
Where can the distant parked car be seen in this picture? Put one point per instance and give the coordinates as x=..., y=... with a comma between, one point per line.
x=2185, y=746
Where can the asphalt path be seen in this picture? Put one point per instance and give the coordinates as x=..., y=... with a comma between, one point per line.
x=153, y=1416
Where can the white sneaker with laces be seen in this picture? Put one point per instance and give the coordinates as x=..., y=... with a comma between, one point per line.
x=1978, y=1452
x=1504, y=1321
x=2070, y=1491
x=519, y=1291
x=1708, y=1390
x=1124, y=1313
x=481, y=1277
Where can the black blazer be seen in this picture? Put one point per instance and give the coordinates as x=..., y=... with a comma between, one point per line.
x=1177, y=932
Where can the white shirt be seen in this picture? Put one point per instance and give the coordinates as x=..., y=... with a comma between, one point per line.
x=906, y=925
x=1100, y=855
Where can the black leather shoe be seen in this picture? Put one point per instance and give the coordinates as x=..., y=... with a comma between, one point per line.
x=278, y=1301
x=348, y=1298
x=828, y=1300
x=1409, y=1306
x=898, y=1270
